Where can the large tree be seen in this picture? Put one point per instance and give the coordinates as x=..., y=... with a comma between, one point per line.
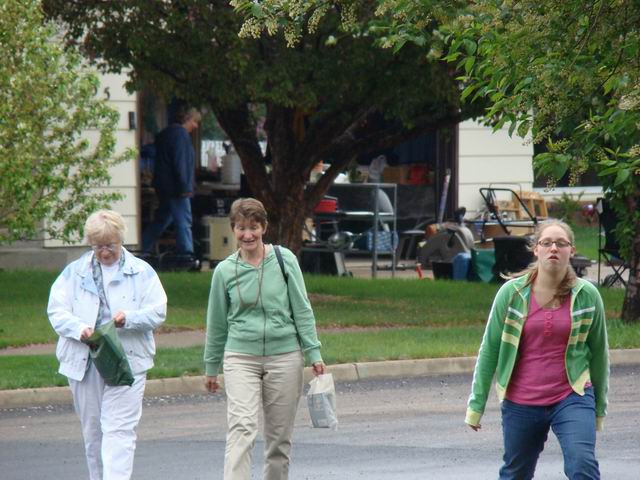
x=566, y=73
x=331, y=96
x=47, y=99
x=569, y=74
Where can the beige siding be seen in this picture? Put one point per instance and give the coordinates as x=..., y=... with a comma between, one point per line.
x=586, y=194
x=114, y=85
x=124, y=176
x=489, y=158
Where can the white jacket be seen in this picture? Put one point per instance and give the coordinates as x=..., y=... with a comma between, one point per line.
x=73, y=306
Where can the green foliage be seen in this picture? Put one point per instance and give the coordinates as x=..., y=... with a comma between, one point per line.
x=394, y=23
x=550, y=70
x=333, y=96
x=569, y=71
x=568, y=208
x=561, y=70
x=402, y=29
x=48, y=172
x=210, y=128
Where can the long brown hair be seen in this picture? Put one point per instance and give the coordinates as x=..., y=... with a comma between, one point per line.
x=570, y=278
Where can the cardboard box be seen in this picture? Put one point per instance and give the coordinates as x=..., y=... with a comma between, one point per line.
x=398, y=174
x=219, y=241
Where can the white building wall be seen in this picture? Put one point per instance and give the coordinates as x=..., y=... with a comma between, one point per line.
x=584, y=194
x=490, y=159
x=124, y=176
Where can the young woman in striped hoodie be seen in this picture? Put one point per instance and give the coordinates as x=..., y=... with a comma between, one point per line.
x=546, y=343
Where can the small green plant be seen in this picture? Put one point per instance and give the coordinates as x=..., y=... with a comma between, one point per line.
x=568, y=207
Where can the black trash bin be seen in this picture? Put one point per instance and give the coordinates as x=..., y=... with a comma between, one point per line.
x=442, y=270
x=512, y=255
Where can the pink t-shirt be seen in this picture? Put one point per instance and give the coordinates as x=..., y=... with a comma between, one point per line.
x=539, y=376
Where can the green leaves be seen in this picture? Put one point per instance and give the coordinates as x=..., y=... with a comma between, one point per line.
x=467, y=91
x=47, y=101
x=552, y=164
x=566, y=72
x=621, y=177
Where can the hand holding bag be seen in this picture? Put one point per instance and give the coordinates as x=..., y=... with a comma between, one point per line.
x=108, y=356
x=321, y=400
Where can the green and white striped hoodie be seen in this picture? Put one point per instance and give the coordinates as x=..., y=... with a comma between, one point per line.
x=586, y=357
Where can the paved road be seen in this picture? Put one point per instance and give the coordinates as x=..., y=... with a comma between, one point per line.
x=400, y=429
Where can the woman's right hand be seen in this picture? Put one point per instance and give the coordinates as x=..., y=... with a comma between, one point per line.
x=86, y=333
x=211, y=384
x=318, y=368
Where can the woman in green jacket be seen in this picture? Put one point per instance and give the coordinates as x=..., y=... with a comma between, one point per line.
x=259, y=326
x=546, y=343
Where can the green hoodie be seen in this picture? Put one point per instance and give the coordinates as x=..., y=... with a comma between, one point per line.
x=586, y=357
x=265, y=324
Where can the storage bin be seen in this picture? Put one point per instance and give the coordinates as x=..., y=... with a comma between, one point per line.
x=442, y=270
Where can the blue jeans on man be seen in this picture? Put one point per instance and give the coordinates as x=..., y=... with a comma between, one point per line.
x=178, y=211
x=525, y=429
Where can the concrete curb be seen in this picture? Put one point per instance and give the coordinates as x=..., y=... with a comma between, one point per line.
x=347, y=372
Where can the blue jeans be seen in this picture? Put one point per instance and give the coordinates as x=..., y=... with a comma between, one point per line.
x=178, y=211
x=525, y=429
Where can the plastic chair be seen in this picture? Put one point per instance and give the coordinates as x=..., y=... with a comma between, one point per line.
x=610, y=251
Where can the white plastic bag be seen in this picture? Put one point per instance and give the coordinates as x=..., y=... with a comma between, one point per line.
x=321, y=400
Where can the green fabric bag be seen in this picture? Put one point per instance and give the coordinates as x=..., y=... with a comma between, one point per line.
x=482, y=262
x=108, y=356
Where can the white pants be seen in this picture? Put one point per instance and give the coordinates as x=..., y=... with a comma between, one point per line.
x=109, y=417
x=276, y=383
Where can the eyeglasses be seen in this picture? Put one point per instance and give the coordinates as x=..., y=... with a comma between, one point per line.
x=559, y=243
x=111, y=247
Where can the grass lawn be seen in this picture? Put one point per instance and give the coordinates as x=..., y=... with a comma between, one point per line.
x=587, y=241
x=338, y=302
x=400, y=319
x=338, y=347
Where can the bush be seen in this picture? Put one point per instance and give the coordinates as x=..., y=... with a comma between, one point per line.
x=567, y=208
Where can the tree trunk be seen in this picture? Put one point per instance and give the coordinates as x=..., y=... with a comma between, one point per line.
x=285, y=194
x=289, y=175
x=286, y=220
x=631, y=304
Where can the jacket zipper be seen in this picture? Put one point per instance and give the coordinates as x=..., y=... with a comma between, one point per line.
x=264, y=326
x=525, y=316
x=574, y=295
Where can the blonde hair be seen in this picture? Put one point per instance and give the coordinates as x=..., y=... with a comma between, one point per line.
x=570, y=277
x=248, y=209
x=104, y=224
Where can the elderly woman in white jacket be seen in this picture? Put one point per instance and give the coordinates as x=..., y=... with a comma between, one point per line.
x=106, y=284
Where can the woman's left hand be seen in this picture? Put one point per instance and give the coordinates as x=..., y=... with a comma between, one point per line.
x=318, y=368
x=119, y=319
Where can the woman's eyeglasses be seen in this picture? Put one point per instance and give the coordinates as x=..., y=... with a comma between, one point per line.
x=559, y=243
x=111, y=247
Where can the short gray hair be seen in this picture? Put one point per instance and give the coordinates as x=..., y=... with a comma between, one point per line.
x=103, y=224
x=187, y=113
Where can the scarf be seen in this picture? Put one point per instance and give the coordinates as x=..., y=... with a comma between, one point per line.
x=97, y=279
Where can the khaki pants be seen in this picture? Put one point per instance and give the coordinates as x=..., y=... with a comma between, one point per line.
x=276, y=382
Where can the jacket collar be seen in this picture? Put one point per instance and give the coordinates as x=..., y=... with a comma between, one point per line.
x=131, y=264
x=524, y=289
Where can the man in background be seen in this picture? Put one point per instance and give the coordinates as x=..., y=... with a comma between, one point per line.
x=174, y=181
